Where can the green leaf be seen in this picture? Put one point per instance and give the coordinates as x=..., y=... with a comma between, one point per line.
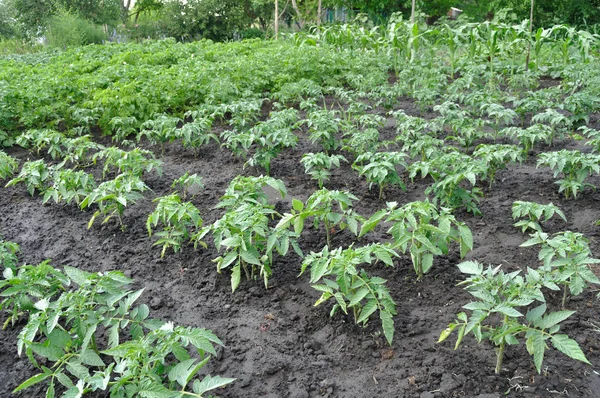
x=76, y=275
x=387, y=323
x=552, y=319
x=538, y=347
x=569, y=347
x=250, y=258
x=236, y=277
x=89, y=357
x=369, y=308
x=32, y=381
x=447, y=332
x=508, y=311
x=471, y=267
x=210, y=383
x=358, y=296
x=182, y=372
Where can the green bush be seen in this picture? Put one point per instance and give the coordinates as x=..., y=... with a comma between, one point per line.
x=66, y=30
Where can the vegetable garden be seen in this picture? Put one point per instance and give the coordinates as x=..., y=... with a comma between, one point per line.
x=395, y=211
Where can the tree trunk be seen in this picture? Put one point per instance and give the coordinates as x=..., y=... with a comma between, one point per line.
x=300, y=20
x=319, y=11
x=529, y=41
x=276, y=19
x=412, y=12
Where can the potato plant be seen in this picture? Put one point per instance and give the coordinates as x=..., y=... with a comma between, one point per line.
x=180, y=222
x=161, y=129
x=422, y=229
x=317, y=165
x=358, y=141
x=49, y=140
x=243, y=231
x=503, y=294
x=574, y=167
x=113, y=196
x=85, y=327
x=337, y=274
x=534, y=214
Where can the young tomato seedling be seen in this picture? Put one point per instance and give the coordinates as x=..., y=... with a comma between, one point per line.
x=501, y=294
x=423, y=230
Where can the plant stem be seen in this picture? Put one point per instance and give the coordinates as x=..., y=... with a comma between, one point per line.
x=501, y=350
x=245, y=267
x=327, y=233
x=564, y=298
x=500, y=358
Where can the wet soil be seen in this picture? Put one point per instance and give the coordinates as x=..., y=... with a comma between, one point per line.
x=277, y=344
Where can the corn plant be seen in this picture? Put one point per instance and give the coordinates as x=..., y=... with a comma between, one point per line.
x=8, y=254
x=331, y=208
x=503, y=294
x=35, y=175
x=85, y=327
x=323, y=128
x=534, y=214
x=566, y=257
x=574, y=167
x=188, y=184
x=69, y=186
x=113, y=196
x=337, y=274
x=381, y=168
x=496, y=157
x=422, y=229
x=8, y=165
x=317, y=165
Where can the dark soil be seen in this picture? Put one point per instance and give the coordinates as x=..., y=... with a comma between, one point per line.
x=277, y=344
